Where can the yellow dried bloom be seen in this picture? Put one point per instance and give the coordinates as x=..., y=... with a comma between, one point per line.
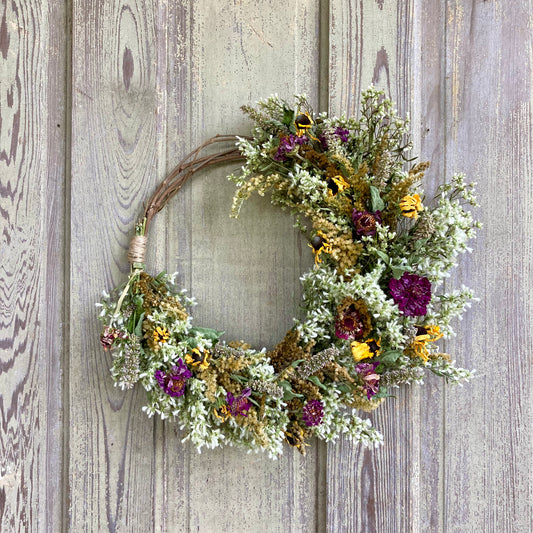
x=239, y=345
x=361, y=402
x=425, y=335
x=320, y=244
x=302, y=123
x=366, y=350
x=411, y=205
x=336, y=185
x=161, y=335
x=197, y=358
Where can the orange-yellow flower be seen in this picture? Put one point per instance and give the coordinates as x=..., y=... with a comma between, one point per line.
x=302, y=123
x=424, y=335
x=411, y=205
x=366, y=350
x=336, y=185
x=320, y=244
x=197, y=358
x=161, y=335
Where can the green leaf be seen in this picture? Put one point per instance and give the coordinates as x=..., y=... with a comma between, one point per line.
x=139, y=326
x=390, y=356
x=289, y=394
x=384, y=256
x=382, y=393
x=317, y=382
x=250, y=399
x=294, y=364
x=288, y=116
x=192, y=342
x=207, y=333
x=344, y=387
x=397, y=271
x=375, y=198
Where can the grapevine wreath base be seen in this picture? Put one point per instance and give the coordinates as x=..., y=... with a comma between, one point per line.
x=373, y=311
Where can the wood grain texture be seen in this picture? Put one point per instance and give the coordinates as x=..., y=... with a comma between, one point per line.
x=232, y=56
x=149, y=81
x=470, y=466
x=32, y=193
x=375, y=490
x=487, y=464
x=203, y=55
x=115, y=163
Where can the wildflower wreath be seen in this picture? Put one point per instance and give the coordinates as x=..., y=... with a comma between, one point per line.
x=373, y=312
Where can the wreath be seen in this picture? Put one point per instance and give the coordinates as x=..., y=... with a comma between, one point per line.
x=372, y=308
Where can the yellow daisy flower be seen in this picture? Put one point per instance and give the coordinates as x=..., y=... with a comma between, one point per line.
x=161, y=335
x=197, y=358
x=320, y=244
x=336, y=185
x=425, y=335
x=302, y=123
x=411, y=205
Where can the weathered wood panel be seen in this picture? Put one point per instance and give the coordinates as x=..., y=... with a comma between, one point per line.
x=211, y=59
x=33, y=125
x=469, y=465
x=115, y=148
x=234, y=56
x=375, y=490
x=488, y=445
x=149, y=81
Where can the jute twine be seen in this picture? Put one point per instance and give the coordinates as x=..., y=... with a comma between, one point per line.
x=137, y=249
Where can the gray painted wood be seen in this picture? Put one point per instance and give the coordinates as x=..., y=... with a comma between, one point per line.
x=82, y=144
x=487, y=431
x=378, y=490
x=458, y=459
x=33, y=128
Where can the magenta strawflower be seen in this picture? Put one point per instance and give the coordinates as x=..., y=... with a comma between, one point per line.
x=174, y=381
x=365, y=222
x=313, y=413
x=370, y=379
x=240, y=404
x=411, y=293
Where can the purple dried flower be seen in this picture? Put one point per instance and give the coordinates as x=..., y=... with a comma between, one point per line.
x=370, y=379
x=353, y=320
x=342, y=133
x=287, y=145
x=239, y=405
x=365, y=222
x=174, y=381
x=313, y=413
x=411, y=293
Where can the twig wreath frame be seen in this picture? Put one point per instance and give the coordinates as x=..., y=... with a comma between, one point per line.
x=373, y=310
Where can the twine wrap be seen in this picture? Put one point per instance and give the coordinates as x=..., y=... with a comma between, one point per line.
x=137, y=250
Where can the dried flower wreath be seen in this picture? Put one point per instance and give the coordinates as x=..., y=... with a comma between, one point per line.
x=373, y=312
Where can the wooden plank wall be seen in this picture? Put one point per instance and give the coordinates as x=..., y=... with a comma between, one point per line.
x=98, y=100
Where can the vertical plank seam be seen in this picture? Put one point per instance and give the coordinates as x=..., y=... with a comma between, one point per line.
x=66, y=316
x=324, y=58
x=187, y=448
x=444, y=97
x=324, y=27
